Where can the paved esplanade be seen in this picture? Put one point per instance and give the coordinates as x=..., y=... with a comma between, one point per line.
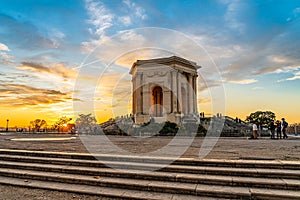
x=273, y=172
x=225, y=148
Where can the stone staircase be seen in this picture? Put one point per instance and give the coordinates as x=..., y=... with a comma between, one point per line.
x=132, y=177
x=234, y=129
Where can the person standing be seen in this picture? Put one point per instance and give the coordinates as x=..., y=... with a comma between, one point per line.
x=272, y=129
x=255, y=133
x=278, y=129
x=284, y=125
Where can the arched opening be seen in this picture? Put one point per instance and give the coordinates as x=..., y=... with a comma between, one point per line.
x=157, y=102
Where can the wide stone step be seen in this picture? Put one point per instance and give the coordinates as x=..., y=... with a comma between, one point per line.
x=133, y=184
x=136, y=176
x=291, y=184
x=231, y=171
x=120, y=187
x=252, y=172
x=112, y=193
x=160, y=160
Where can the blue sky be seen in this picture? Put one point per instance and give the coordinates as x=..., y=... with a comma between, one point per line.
x=254, y=45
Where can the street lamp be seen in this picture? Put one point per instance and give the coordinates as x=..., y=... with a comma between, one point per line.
x=7, y=125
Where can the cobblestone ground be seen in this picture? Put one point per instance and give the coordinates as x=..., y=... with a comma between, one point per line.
x=225, y=148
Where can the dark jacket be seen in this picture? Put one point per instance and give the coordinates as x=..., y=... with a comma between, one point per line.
x=272, y=126
x=278, y=126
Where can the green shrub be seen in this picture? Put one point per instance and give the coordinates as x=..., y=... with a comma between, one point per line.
x=201, y=132
x=169, y=129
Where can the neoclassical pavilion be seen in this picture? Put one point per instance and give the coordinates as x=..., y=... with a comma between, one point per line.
x=164, y=89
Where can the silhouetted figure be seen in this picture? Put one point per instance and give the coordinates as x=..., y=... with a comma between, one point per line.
x=202, y=114
x=284, y=125
x=272, y=128
x=278, y=129
x=132, y=118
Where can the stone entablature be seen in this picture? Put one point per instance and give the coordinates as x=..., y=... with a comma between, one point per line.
x=164, y=89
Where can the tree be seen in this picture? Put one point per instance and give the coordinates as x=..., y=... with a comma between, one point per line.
x=37, y=124
x=86, y=123
x=262, y=118
x=61, y=122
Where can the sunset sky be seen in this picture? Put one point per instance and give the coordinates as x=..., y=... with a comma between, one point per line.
x=63, y=58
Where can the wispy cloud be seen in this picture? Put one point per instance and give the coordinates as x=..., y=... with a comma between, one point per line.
x=5, y=58
x=104, y=19
x=126, y=20
x=204, y=85
x=232, y=15
x=138, y=11
x=14, y=29
x=23, y=89
x=258, y=88
x=3, y=47
x=24, y=95
x=101, y=19
x=294, y=15
x=205, y=100
x=57, y=69
x=295, y=77
x=243, y=82
x=57, y=37
x=244, y=47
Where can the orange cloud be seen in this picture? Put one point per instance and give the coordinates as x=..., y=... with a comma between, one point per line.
x=22, y=95
x=57, y=69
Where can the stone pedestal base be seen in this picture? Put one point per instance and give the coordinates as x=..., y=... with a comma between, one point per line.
x=142, y=118
x=174, y=117
x=145, y=118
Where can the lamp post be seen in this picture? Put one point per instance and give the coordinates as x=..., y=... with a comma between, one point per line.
x=7, y=125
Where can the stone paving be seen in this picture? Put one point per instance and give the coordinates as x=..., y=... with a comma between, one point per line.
x=16, y=193
x=225, y=148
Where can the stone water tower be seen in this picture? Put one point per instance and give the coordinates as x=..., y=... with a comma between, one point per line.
x=164, y=89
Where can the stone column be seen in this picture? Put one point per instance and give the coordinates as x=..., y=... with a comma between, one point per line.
x=134, y=95
x=179, y=97
x=146, y=98
x=174, y=91
x=167, y=100
x=190, y=101
x=195, y=94
x=138, y=93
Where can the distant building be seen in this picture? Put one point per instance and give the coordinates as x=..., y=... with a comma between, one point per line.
x=164, y=89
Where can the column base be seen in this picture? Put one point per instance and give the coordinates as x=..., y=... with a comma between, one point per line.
x=145, y=118
x=142, y=119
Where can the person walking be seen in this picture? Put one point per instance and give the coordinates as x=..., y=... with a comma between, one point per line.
x=255, y=133
x=278, y=129
x=272, y=128
x=284, y=125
